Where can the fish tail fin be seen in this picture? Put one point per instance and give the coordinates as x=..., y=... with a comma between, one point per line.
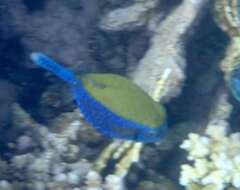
x=50, y=65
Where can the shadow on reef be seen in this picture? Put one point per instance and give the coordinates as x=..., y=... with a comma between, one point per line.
x=17, y=83
x=204, y=51
x=12, y=69
x=34, y=5
x=166, y=6
x=8, y=96
x=116, y=60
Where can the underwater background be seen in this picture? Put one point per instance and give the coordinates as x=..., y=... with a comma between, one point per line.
x=184, y=54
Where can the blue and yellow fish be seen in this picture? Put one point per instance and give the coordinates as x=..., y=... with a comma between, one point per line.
x=112, y=104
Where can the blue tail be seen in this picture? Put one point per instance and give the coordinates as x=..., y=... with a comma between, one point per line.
x=50, y=65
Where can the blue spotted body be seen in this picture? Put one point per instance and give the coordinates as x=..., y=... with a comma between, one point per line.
x=104, y=119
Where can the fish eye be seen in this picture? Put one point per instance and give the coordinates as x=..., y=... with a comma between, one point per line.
x=151, y=133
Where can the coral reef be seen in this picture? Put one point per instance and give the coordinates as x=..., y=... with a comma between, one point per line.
x=163, y=48
x=228, y=19
x=56, y=162
x=119, y=19
x=55, y=158
x=59, y=28
x=214, y=155
x=166, y=48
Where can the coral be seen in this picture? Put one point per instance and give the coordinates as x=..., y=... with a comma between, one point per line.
x=60, y=154
x=215, y=155
x=166, y=49
x=53, y=160
x=112, y=182
x=118, y=19
x=4, y=185
x=116, y=150
x=158, y=92
x=231, y=59
x=216, y=159
x=66, y=29
x=227, y=17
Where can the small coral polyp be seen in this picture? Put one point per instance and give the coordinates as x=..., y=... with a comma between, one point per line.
x=215, y=159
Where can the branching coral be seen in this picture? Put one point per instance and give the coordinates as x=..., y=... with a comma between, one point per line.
x=215, y=156
x=216, y=159
x=95, y=182
x=51, y=159
x=166, y=49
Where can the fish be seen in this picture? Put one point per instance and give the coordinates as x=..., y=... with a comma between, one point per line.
x=114, y=105
x=234, y=82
